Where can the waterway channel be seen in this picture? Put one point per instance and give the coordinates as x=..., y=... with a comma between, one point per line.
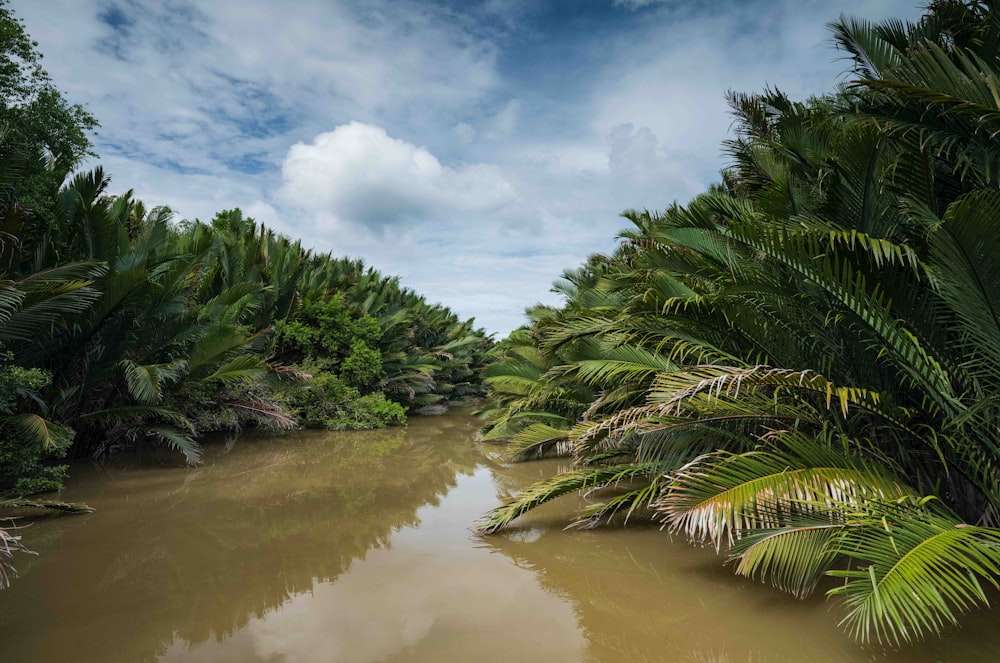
x=357, y=548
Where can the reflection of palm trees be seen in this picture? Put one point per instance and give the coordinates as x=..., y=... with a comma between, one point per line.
x=630, y=609
x=621, y=604
x=199, y=552
x=511, y=479
x=640, y=597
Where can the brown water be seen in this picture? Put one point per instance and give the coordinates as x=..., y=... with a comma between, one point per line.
x=355, y=547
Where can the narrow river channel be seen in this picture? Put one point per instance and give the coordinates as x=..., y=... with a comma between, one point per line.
x=356, y=548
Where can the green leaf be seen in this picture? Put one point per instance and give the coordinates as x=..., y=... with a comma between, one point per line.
x=916, y=571
x=50, y=436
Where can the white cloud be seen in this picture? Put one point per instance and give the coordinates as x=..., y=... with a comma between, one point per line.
x=360, y=174
x=637, y=155
x=218, y=86
x=505, y=121
x=465, y=132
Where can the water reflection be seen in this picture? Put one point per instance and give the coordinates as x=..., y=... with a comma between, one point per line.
x=195, y=554
x=431, y=598
x=355, y=548
x=639, y=596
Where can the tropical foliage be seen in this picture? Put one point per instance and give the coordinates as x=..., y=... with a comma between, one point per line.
x=800, y=366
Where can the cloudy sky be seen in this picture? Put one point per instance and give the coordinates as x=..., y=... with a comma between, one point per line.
x=474, y=147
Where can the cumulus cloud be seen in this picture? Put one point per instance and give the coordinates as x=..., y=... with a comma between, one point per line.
x=638, y=155
x=223, y=88
x=676, y=85
x=360, y=174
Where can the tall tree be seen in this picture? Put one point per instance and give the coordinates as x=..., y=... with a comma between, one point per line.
x=36, y=118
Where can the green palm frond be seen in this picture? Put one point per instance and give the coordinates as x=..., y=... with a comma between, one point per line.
x=127, y=413
x=177, y=439
x=628, y=503
x=31, y=307
x=872, y=54
x=214, y=345
x=562, y=484
x=240, y=370
x=967, y=276
x=506, y=423
x=672, y=389
x=752, y=411
x=621, y=363
x=143, y=382
x=538, y=441
x=718, y=497
x=48, y=435
x=794, y=557
x=915, y=569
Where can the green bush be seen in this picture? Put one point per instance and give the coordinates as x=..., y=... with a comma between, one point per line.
x=23, y=468
x=326, y=401
x=362, y=367
x=37, y=478
x=326, y=329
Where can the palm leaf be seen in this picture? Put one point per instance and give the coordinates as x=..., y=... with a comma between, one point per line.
x=49, y=435
x=240, y=370
x=143, y=382
x=792, y=558
x=178, y=440
x=9, y=544
x=917, y=571
x=538, y=441
x=719, y=496
x=559, y=485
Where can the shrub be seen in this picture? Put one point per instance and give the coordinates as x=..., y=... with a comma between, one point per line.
x=23, y=460
x=326, y=401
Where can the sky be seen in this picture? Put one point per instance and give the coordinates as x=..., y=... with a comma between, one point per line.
x=475, y=148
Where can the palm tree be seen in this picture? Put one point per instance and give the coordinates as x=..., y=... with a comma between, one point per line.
x=828, y=311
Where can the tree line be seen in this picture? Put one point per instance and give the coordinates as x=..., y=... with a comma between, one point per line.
x=801, y=366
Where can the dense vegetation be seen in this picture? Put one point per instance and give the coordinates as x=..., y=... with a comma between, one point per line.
x=121, y=328
x=801, y=366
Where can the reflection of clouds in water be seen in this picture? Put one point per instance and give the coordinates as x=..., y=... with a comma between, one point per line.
x=438, y=594
x=392, y=603
x=365, y=616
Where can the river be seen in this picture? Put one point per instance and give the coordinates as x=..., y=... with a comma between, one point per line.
x=356, y=548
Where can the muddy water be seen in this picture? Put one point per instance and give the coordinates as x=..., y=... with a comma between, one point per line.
x=355, y=547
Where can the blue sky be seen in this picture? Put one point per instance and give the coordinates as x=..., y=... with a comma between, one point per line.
x=476, y=149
